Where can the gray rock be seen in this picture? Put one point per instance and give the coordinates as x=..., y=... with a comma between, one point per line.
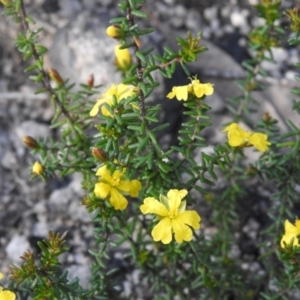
x=16, y=248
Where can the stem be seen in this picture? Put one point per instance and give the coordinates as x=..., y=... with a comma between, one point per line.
x=45, y=80
x=139, y=72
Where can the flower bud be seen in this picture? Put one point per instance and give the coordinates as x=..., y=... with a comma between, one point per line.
x=137, y=41
x=99, y=154
x=90, y=81
x=30, y=142
x=123, y=58
x=37, y=168
x=55, y=76
x=114, y=31
x=252, y=171
x=267, y=116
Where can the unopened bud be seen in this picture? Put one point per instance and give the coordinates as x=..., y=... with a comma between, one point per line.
x=99, y=154
x=123, y=58
x=55, y=76
x=137, y=41
x=87, y=201
x=30, y=142
x=252, y=171
x=37, y=168
x=267, y=116
x=90, y=81
x=114, y=31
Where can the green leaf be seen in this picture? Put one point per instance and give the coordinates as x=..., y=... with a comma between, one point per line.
x=185, y=69
x=39, y=78
x=163, y=166
x=161, y=127
x=28, y=55
x=145, y=31
x=141, y=56
x=41, y=90
x=118, y=20
x=132, y=4
x=139, y=13
x=30, y=68
x=30, y=20
x=134, y=128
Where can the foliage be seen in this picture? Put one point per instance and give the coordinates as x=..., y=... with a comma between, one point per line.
x=125, y=160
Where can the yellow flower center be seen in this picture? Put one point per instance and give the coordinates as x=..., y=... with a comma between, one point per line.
x=173, y=214
x=115, y=181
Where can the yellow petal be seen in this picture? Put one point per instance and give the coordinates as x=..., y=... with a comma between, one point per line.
x=288, y=238
x=208, y=89
x=297, y=224
x=290, y=228
x=163, y=231
x=124, y=186
x=153, y=206
x=198, y=90
x=175, y=197
x=117, y=200
x=190, y=218
x=7, y=295
x=182, y=232
x=124, y=91
x=96, y=107
x=172, y=94
x=135, y=187
x=259, y=141
x=104, y=173
x=102, y=190
x=1, y=275
x=182, y=92
x=232, y=126
x=236, y=138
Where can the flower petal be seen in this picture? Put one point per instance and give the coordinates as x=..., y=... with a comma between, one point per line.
x=208, y=89
x=7, y=295
x=135, y=187
x=172, y=94
x=288, y=238
x=163, y=231
x=290, y=228
x=102, y=190
x=175, y=197
x=117, y=200
x=259, y=141
x=182, y=232
x=153, y=206
x=104, y=173
x=190, y=218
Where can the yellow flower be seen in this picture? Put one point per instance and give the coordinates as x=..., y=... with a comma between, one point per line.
x=238, y=137
x=120, y=91
x=6, y=294
x=173, y=217
x=115, y=186
x=291, y=233
x=123, y=58
x=259, y=141
x=37, y=168
x=195, y=88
